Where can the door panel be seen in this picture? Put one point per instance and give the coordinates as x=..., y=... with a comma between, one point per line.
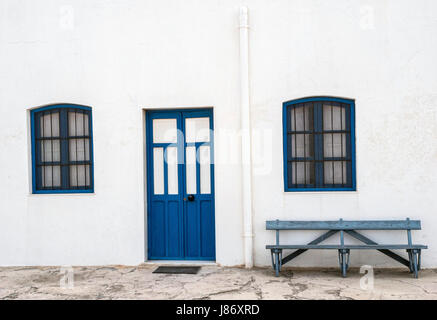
x=206, y=220
x=192, y=234
x=200, y=227
x=165, y=210
x=180, y=173
x=174, y=227
x=157, y=223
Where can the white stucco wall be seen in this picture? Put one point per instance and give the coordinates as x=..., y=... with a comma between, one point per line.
x=121, y=57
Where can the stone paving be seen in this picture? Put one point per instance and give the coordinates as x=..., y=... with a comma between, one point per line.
x=212, y=282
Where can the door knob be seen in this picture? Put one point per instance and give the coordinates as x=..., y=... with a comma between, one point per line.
x=190, y=197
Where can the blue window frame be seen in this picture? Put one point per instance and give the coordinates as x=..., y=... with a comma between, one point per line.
x=319, y=144
x=62, y=149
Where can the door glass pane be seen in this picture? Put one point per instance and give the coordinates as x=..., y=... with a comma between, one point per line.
x=164, y=131
x=197, y=129
x=77, y=124
x=172, y=167
x=158, y=170
x=205, y=169
x=191, y=170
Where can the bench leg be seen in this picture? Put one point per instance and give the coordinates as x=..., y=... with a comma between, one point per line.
x=415, y=254
x=343, y=259
x=276, y=260
x=410, y=259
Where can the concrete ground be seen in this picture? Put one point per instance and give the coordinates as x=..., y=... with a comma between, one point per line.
x=212, y=282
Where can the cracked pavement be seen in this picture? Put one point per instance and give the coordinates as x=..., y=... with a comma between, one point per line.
x=212, y=282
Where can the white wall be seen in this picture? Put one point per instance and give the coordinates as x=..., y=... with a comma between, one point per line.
x=121, y=57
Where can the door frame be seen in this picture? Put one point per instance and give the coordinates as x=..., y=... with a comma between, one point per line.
x=208, y=111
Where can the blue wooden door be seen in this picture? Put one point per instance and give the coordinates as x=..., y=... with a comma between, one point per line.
x=180, y=185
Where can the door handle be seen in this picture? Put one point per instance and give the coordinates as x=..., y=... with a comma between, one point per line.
x=190, y=197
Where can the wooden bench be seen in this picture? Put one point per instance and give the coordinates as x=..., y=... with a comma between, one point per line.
x=349, y=227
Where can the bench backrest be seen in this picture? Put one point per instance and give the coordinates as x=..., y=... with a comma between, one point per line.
x=344, y=225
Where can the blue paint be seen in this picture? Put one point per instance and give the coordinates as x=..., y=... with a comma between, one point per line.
x=348, y=246
x=34, y=127
x=344, y=225
x=318, y=142
x=178, y=229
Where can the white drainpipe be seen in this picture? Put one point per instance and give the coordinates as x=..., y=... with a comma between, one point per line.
x=245, y=138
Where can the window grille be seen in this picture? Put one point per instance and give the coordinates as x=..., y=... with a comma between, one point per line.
x=62, y=149
x=319, y=149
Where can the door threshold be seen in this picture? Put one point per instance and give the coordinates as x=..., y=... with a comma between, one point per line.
x=181, y=262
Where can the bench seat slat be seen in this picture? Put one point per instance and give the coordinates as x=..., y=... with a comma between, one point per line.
x=344, y=225
x=346, y=246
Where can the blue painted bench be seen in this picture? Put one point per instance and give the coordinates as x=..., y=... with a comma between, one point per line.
x=349, y=227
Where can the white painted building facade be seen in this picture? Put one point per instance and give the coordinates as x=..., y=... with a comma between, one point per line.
x=122, y=58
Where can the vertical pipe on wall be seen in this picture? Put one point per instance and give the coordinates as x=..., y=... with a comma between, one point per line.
x=245, y=138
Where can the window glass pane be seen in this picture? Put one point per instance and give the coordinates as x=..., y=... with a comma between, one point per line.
x=164, y=131
x=79, y=175
x=334, y=117
x=49, y=125
x=191, y=170
x=339, y=117
x=158, y=170
x=298, y=114
x=302, y=172
x=51, y=176
x=297, y=119
x=302, y=145
x=50, y=150
x=205, y=169
x=172, y=167
x=328, y=170
x=79, y=149
x=340, y=169
x=77, y=124
x=334, y=145
x=327, y=119
x=335, y=172
x=197, y=129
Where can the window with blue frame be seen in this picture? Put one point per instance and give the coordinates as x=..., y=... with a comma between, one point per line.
x=319, y=144
x=62, y=153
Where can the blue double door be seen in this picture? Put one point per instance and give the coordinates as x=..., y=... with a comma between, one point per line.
x=180, y=185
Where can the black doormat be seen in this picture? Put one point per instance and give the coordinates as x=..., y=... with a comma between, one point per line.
x=177, y=269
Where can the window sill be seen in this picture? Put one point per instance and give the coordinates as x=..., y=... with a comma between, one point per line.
x=63, y=192
x=321, y=191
